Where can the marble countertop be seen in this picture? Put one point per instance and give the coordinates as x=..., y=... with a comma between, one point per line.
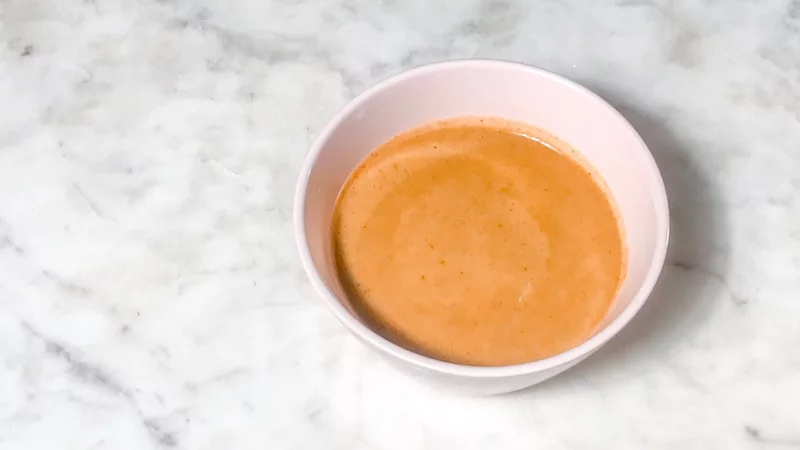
x=150, y=291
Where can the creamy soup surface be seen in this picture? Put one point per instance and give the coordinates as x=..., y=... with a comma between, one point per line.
x=466, y=241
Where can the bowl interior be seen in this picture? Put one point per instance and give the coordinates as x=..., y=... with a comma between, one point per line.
x=520, y=93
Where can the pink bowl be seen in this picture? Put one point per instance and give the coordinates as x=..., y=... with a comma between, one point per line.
x=497, y=89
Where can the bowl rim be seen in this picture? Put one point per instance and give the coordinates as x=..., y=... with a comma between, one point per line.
x=366, y=334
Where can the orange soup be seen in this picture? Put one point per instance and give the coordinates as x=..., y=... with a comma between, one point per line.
x=469, y=241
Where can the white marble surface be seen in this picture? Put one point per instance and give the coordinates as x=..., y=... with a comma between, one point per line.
x=151, y=296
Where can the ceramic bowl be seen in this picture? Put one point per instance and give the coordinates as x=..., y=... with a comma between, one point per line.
x=495, y=89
